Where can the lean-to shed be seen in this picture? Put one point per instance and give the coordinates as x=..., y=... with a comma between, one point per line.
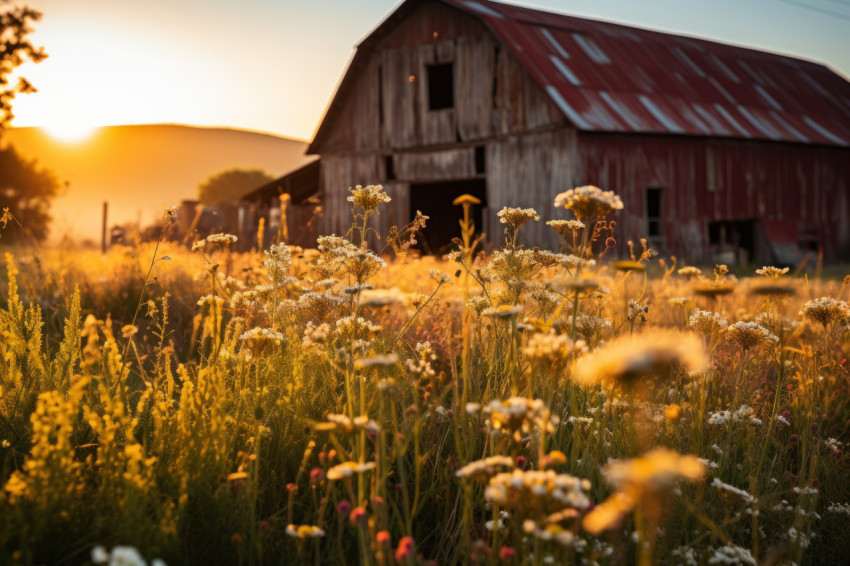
x=718, y=152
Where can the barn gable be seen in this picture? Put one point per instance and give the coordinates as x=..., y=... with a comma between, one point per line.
x=383, y=99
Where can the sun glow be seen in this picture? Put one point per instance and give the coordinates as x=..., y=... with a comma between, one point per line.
x=69, y=131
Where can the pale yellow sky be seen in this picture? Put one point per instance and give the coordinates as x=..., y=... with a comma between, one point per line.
x=273, y=65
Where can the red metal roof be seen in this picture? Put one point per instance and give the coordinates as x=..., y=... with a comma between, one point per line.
x=608, y=77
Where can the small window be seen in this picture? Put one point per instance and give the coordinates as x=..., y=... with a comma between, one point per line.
x=654, y=213
x=441, y=86
x=389, y=169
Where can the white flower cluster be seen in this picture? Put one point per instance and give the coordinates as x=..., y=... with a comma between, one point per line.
x=121, y=556
x=732, y=554
x=519, y=486
x=744, y=413
x=839, y=509
x=750, y=334
x=569, y=198
x=833, y=444
x=686, y=556
x=551, y=532
x=706, y=321
x=277, y=264
x=486, y=467
x=825, y=310
x=770, y=271
x=261, y=334
x=551, y=347
x=731, y=489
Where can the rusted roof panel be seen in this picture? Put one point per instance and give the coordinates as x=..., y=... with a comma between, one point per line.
x=608, y=77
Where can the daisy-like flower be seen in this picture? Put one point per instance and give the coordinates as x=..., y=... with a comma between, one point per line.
x=641, y=481
x=304, y=531
x=516, y=217
x=348, y=469
x=637, y=360
x=484, y=469
x=369, y=197
x=343, y=424
x=589, y=202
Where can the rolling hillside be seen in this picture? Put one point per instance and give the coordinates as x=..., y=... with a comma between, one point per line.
x=141, y=170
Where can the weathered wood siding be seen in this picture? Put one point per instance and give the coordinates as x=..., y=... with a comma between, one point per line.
x=803, y=187
x=337, y=174
x=441, y=165
x=528, y=171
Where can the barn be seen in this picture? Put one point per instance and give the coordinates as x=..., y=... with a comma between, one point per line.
x=719, y=152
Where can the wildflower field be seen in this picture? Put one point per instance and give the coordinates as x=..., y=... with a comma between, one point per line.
x=355, y=404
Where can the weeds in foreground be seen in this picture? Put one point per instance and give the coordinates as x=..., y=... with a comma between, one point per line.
x=331, y=406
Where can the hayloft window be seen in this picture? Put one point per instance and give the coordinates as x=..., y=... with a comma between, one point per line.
x=654, y=213
x=441, y=86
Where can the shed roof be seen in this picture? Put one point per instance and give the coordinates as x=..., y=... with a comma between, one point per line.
x=608, y=77
x=301, y=184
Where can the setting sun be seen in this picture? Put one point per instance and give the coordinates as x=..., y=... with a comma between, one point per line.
x=69, y=131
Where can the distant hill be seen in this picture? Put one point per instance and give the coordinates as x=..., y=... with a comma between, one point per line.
x=142, y=170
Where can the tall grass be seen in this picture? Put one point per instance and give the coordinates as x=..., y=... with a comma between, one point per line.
x=334, y=405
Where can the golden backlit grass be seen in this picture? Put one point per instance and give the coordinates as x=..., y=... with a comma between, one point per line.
x=339, y=406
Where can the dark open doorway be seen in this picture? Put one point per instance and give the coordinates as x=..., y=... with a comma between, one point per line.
x=435, y=200
x=735, y=241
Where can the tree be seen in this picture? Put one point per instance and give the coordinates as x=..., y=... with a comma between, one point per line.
x=228, y=186
x=26, y=191
x=25, y=188
x=15, y=49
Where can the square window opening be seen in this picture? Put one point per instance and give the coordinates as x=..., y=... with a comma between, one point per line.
x=441, y=86
x=654, y=212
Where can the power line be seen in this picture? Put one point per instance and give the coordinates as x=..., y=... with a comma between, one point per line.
x=819, y=9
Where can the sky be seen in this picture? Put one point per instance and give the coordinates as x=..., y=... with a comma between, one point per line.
x=273, y=65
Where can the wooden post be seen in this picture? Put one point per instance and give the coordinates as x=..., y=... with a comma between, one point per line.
x=103, y=230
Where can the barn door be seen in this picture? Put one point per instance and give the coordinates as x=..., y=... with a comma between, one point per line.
x=435, y=200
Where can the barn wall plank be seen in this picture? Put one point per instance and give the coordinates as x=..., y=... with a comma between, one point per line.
x=527, y=172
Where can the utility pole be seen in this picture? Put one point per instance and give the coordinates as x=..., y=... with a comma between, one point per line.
x=103, y=229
